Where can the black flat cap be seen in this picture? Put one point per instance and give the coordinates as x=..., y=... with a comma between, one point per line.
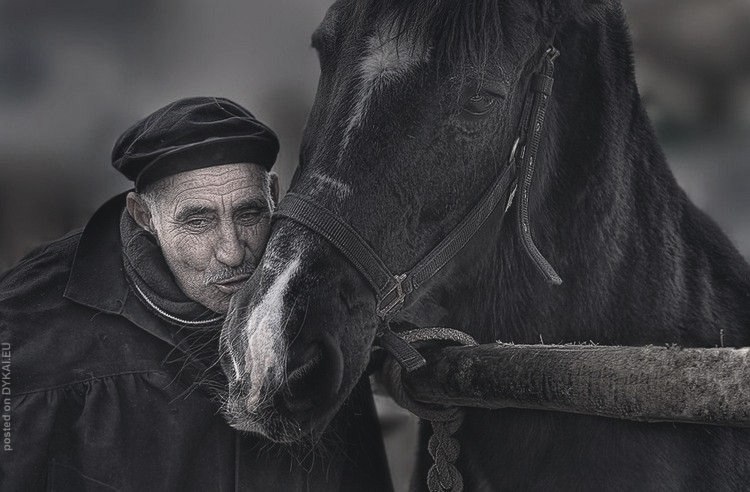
x=193, y=133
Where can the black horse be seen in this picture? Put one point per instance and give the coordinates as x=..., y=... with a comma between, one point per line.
x=418, y=107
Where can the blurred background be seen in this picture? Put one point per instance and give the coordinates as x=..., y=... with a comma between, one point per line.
x=74, y=75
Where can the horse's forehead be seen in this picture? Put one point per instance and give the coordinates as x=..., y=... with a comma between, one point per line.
x=386, y=59
x=391, y=53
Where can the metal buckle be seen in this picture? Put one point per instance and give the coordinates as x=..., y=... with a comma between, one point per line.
x=384, y=311
x=552, y=53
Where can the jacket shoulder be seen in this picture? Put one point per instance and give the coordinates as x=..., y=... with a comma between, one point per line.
x=44, y=266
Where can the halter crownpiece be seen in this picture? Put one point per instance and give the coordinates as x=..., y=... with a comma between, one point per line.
x=391, y=290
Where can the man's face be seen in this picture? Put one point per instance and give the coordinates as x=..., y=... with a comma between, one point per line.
x=212, y=225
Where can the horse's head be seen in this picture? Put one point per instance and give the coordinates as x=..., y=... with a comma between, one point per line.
x=417, y=110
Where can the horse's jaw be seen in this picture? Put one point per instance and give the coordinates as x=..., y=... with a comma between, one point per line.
x=271, y=425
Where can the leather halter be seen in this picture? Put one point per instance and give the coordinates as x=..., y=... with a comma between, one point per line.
x=391, y=290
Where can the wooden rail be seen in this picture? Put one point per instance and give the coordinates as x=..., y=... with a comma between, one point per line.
x=651, y=384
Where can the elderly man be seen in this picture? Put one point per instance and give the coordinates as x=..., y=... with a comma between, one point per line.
x=114, y=330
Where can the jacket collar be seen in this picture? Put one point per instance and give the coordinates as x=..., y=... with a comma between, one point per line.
x=97, y=277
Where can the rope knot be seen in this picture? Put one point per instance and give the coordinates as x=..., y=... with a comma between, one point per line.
x=444, y=449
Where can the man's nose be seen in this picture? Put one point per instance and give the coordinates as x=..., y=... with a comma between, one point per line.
x=231, y=249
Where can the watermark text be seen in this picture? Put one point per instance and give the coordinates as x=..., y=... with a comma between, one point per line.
x=5, y=394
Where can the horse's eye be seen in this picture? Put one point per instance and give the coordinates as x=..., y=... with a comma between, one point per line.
x=478, y=104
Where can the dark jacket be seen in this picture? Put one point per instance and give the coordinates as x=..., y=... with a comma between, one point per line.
x=102, y=400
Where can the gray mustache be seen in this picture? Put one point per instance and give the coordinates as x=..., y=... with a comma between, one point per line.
x=227, y=273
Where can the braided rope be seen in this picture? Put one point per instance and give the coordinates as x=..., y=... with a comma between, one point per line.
x=443, y=476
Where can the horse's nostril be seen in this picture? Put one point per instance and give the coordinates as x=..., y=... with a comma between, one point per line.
x=311, y=359
x=300, y=396
x=312, y=379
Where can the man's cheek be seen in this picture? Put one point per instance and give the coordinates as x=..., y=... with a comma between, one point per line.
x=256, y=237
x=191, y=250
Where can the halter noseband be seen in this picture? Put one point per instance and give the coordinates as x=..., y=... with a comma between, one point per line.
x=391, y=290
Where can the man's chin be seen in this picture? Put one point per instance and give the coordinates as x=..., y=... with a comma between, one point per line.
x=221, y=307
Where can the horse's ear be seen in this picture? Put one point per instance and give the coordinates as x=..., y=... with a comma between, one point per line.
x=582, y=11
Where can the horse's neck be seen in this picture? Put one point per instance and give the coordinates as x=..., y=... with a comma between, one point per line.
x=608, y=214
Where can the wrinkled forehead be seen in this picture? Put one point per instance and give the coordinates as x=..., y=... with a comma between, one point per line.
x=226, y=182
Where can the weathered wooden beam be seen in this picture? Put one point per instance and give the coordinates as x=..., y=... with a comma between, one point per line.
x=651, y=384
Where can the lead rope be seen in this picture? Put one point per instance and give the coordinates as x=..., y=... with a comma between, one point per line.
x=443, y=475
x=444, y=449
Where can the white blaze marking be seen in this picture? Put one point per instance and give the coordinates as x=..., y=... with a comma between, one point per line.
x=386, y=61
x=338, y=187
x=265, y=327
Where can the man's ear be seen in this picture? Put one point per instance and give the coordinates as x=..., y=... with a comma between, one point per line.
x=138, y=209
x=274, y=188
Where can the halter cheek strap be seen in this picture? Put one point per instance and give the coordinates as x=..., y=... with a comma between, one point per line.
x=532, y=124
x=391, y=290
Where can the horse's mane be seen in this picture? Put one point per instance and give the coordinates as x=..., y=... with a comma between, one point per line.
x=460, y=33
